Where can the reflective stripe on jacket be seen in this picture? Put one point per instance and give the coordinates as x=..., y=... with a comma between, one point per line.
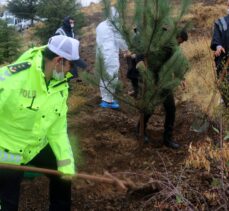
x=33, y=114
x=6, y=157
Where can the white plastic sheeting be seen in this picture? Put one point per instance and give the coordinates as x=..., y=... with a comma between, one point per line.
x=84, y=3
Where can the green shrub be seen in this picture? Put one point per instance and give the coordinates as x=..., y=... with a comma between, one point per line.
x=10, y=43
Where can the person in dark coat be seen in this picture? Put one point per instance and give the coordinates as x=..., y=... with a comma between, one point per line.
x=220, y=46
x=169, y=101
x=67, y=29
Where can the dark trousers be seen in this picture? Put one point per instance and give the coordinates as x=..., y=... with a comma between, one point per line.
x=59, y=190
x=74, y=71
x=135, y=86
x=133, y=74
x=168, y=103
x=170, y=112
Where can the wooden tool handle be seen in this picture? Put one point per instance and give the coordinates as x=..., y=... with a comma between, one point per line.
x=95, y=178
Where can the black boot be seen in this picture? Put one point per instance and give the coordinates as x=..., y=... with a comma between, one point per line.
x=169, y=142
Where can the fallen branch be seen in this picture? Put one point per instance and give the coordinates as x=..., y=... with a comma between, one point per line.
x=116, y=180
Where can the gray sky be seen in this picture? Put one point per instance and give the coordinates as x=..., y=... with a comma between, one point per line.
x=2, y=1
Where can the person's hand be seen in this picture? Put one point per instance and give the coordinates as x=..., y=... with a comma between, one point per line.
x=219, y=50
x=183, y=84
x=67, y=177
x=126, y=54
x=133, y=56
x=141, y=65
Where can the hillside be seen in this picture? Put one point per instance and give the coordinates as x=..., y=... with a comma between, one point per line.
x=185, y=179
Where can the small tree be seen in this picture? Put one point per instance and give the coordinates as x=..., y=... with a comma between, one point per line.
x=23, y=8
x=9, y=43
x=155, y=39
x=53, y=13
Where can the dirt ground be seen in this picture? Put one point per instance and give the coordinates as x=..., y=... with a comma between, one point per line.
x=107, y=142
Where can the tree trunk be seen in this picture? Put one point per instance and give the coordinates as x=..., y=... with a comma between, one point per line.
x=141, y=127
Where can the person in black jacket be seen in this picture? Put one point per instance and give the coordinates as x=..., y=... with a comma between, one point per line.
x=67, y=30
x=169, y=101
x=220, y=46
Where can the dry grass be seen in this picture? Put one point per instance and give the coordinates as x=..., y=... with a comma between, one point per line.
x=203, y=16
x=29, y=40
x=200, y=80
x=205, y=154
x=89, y=35
x=94, y=8
x=75, y=102
x=79, y=96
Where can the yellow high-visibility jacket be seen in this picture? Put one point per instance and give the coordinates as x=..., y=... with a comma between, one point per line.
x=32, y=113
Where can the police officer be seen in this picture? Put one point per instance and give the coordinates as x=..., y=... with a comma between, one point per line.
x=220, y=45
x=33, y=94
